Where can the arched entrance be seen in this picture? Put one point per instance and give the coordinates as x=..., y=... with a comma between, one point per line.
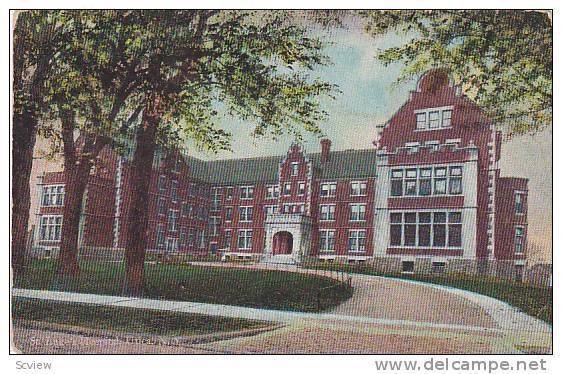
x=282, y=243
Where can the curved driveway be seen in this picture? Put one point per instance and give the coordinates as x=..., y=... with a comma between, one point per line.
x=384, y=315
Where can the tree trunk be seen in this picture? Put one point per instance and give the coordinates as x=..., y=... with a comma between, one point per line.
x=141, y=171
x=76, y=180
x=24, y=135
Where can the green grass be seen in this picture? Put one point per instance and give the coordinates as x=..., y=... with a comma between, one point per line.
x=266, y=289
x=128, y=320
x=533, y=300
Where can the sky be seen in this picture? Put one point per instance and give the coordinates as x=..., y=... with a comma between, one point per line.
x=368, y=98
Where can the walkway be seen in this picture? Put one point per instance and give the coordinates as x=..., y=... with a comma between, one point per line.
x=384, y=316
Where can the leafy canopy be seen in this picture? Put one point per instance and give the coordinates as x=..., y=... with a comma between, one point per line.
x=252, y=65
x=502, y=59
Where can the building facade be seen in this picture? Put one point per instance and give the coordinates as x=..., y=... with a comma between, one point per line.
x=427, y=197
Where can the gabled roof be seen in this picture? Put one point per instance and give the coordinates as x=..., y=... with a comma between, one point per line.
x=359, y=163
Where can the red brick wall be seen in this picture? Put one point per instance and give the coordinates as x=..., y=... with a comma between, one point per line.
x=507, y=219
x=468, y=123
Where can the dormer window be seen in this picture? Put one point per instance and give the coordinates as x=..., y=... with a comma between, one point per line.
x=295, y=169
x=446, y=117
x=421, y=120
x=433, y=118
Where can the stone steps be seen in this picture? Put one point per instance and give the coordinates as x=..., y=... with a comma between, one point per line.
x=280, y=259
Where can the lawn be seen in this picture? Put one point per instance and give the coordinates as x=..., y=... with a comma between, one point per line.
x=533, y=300
x=128, y=320
x=266, y=289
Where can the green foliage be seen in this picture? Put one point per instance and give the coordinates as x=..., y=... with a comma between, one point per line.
x=128, y=320
x=108, y=64
x=502, y=59
x=219, y=285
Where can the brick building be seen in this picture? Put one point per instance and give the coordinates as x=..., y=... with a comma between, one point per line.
x=427, y=197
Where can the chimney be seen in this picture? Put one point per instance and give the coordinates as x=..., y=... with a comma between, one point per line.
x=325, y=143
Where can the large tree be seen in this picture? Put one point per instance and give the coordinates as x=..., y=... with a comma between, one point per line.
x=502, y=58
x=93, y=96
x=255, y=65
x=39, y=37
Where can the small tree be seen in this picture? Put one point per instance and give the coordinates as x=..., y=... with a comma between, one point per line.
x=503, y=59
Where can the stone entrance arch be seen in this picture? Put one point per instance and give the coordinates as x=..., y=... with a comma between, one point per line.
x=279, y=228
x=282, y=243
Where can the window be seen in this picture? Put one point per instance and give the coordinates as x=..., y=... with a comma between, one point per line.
x=327, y=212
x=228, y=214
x=176, y=167
x=162, y=183
x=191, y=237
x=53, y=196
x=227, y=238
x=229, y=193
x=173, y=220
x=434, y=119
x=245, y=213
x=174, y=190
x=270, y=210
x=455, y=225
x=455, y=180
x=161, y=206
x=184, y=209
x=439, y=267
x=411, y=182
x=396, y=183
x=356, y=241
x=215, y=223
x=272, y=192
x=407, y=266
x=425, y=182
x=395, y=229
x=247, y=192
x=160, y=235
x=189, y=189
x=294, y=169
x=301, y=188
x=439, y=229
x=519, y=239
x=216, y=198
x=50, y=228
x=327, y=240
x=358, y=188
x=440, y=187
x=201, y=239
x=328, y=189
x=245, y=239
x=183, y=236
x=171, y=244
x=519, y=207
x=446, y=120
x=410, y=229
x=421, y=120
x=357, y=212
x=426, y=229
x=287, y=189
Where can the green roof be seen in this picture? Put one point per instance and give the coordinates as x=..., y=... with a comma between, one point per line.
x=359, y=163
